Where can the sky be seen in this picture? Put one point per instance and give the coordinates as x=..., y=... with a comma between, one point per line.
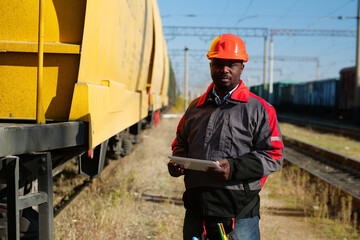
x=333, y=53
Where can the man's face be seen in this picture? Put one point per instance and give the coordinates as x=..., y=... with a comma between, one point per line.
x=226, y=73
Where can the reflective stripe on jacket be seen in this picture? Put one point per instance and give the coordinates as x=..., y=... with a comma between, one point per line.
x=244, y=130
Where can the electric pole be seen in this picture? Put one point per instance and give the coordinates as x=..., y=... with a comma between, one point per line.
x=186, y=94
x=356, y=108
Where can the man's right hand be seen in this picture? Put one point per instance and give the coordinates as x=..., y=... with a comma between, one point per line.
x=175, y=170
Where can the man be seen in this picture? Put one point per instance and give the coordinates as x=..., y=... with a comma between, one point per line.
x=239, y=131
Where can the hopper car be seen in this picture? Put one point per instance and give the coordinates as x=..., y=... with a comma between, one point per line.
x=78, y=79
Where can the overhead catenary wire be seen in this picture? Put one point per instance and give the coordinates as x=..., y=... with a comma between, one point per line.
x=296, y=2
x=223, y=13
x=332, y=12
x=245, y=11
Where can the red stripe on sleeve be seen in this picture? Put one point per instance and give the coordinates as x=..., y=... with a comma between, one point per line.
x=262, y=180
x=276, y=153
x=177, y=131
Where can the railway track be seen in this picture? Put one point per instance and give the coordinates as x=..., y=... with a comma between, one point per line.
x=338, y=171
x=66, y=200
x=350, y=132
x=76, y=191
x=335, y=170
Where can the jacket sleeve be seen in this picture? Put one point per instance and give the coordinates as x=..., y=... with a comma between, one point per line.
x=180, y=146
x=267, y=154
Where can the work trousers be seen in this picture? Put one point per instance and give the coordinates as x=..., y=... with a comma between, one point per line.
x=245, y=229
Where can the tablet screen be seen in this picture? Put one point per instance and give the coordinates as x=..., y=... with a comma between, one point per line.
x=194, y=164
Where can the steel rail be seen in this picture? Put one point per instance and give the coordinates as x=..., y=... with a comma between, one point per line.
x=160, y=198
x=340, y=159
x=66, y=200
x=347, y=164
x=355, y=198
x=321, y=126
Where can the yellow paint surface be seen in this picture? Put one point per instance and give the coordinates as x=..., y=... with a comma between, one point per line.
x=100, y=58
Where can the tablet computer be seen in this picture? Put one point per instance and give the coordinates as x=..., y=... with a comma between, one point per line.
x=194, y=164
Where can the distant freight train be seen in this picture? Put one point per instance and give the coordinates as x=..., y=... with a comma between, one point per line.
x=328, y=97
x=91, y=74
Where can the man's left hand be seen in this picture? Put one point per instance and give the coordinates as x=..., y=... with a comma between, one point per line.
x=222, y=172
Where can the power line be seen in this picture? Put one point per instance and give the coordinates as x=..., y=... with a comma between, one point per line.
x=332, y=12
x=246, y=9
x=223, y=13
x=338, y=8
x=289, y=10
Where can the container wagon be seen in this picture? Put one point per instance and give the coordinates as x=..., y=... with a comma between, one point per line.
x=321, y=97
x=347, y=91
x=76, y=79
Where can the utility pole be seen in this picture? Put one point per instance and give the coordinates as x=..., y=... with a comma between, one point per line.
x=269, y=98
x=317, y=69
x=356, y=108
x=186, y=94
x=265, y=64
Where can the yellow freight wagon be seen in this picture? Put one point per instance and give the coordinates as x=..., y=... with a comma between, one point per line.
x=101, y=60
x=77, y=79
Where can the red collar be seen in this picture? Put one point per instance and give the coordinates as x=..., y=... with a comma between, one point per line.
x=240, y=94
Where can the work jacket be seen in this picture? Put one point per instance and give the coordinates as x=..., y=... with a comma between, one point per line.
x=244, y=130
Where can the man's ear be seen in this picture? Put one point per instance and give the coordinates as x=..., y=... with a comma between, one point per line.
x=242, y=67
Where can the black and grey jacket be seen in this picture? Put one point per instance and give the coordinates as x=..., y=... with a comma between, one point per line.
x=244, y=130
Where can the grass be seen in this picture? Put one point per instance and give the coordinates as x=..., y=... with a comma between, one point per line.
x=64, y=183
x=325, y=208
x=327, y=212
x=112, y=211
x=179, y=106
x=111, y=208
x=340, y=144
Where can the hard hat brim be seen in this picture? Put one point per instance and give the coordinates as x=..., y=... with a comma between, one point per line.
x=225, y=56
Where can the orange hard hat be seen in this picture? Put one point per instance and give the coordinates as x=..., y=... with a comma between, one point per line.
x=228, y=46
